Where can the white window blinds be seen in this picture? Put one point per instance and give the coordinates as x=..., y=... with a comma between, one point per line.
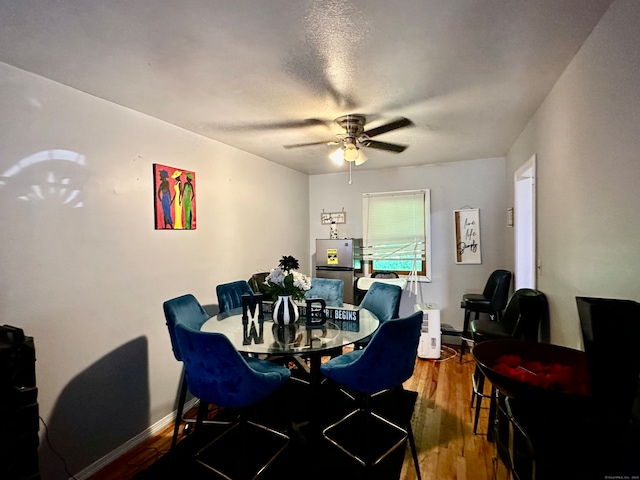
x=396, y=227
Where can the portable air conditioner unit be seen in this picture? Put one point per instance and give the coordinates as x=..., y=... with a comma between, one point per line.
x=430, y=337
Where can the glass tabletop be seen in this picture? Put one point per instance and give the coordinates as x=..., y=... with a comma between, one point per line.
x=346, y=325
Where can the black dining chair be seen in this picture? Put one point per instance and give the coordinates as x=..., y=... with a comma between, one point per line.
x=257, y=282
x=513, y=444
x=385, y=274
x=611, y=336
x=219, y=375
x=608, y=323
x=525, y=318
x=383, y=365
x=491, y=301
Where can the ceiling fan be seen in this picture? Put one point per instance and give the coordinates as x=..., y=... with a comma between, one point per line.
x=355, y=136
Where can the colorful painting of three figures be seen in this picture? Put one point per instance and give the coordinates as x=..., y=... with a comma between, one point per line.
x=175, y=198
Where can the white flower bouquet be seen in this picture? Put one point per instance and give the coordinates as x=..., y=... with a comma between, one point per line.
x=286, y=280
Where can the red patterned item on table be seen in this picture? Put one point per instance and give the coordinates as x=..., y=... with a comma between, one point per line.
x=554, y=376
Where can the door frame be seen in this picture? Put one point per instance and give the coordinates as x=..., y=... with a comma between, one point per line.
x=525, y=252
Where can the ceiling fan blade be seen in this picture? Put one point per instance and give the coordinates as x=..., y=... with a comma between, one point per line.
x=296, y=145
x=307, y=122
x=398, y=123
x=390, y=147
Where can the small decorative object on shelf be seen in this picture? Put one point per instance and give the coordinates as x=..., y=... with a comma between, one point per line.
x=333, y=233
x=286, y=285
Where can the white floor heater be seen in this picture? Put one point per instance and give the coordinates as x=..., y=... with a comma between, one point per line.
x=430, y=337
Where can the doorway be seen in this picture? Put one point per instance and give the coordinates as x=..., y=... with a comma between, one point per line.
x=525, y=225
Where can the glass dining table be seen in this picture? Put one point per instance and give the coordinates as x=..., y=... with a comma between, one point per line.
x=299, y=343
x=344, y=326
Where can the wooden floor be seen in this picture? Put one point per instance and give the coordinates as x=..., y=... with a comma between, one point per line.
x=442, y=424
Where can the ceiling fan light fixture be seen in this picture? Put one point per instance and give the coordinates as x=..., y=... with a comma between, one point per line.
x=355, y=134
x=337, y=157
x=351, y=152
x=361, y=158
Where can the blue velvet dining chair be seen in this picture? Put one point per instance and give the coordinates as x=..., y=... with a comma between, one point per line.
x=385, y=364
x=329, y=289
x=230, y=294
x=185, y=309
x=219, y=375
x=383, y=300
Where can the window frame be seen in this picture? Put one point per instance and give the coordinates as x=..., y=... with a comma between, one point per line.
x=423, y=275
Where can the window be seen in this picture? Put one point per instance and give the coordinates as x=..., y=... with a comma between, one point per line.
x=396, y=232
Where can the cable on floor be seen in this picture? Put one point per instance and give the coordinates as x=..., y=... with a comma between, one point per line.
x=46, y=436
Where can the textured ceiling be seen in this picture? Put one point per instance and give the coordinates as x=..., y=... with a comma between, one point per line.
x=260, y=74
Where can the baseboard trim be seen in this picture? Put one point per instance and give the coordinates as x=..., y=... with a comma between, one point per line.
x=131, y=443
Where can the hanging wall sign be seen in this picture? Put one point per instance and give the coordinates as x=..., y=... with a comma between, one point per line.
x=327, y=218
x=467, y=224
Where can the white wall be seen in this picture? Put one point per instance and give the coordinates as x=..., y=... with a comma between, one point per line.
x=476, y=183
x=586, y=136
x=88, y=283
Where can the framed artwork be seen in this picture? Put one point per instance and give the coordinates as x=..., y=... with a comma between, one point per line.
x=467, y=224
x=327, y=218
x=174, y=198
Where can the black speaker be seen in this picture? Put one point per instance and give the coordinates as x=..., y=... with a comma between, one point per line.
x=19, y=417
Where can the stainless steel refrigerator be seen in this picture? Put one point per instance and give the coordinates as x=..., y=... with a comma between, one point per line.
x=335, y=259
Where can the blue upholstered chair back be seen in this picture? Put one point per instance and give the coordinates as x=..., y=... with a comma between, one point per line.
x=387, y=362
x=230, y=294
x=187, y=310
x=219, y=375
x=330, y=289
x=383, y=300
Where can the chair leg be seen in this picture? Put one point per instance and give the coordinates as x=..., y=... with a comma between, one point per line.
x=474, y=389
x=278, y=443
x=414, y=451
x=181, y=402
x=203, y=409
x=366, y=460
x=478, y=387
x=492, y=412
x=465, y=329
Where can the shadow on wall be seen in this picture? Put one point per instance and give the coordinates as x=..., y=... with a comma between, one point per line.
x=100, y=409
